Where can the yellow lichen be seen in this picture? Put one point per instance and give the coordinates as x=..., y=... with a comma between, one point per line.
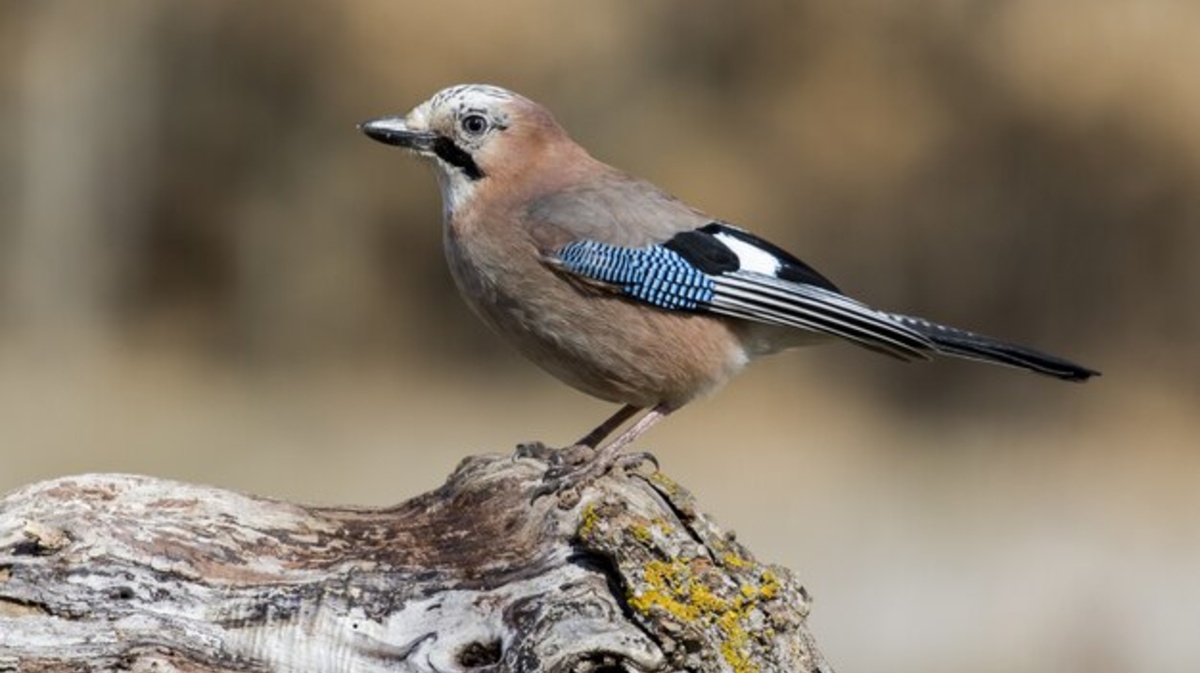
x=735, y=647
x=676, y=588
x=662, y=525
x=770, y=585
x=588, y=520
x=705, y=600
x=664, y=482
x=643, y=530
x=665, y=590
x=734, y=561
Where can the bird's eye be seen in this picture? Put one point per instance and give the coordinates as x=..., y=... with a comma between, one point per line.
x=474, y=124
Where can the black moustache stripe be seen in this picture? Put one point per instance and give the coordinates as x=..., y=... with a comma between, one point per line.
x=456, y=156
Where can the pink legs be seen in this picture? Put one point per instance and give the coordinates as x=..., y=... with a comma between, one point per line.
x=568, y=473
x=593, y=438
x=607, y=455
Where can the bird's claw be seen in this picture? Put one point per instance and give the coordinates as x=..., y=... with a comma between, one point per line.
x=576, y=467
x=535, y=450
x=567, y=482
x=634, y=461
x=569, y=469
x=568, y=458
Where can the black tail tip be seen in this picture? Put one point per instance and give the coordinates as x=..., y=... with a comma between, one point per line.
x=1077, y=374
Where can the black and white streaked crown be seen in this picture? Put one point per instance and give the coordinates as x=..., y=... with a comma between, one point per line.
x=461, y=98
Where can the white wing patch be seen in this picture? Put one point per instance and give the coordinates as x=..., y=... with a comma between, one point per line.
x=749, y=257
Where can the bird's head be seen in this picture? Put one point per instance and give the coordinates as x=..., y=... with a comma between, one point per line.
x=473, y=133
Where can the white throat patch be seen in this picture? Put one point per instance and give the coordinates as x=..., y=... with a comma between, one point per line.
x=457, y=189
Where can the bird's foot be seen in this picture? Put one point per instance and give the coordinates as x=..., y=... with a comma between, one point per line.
x=536, y=450
x=569, y=469
x=569, y=458
x=632, y=462
x=562, y=460
x=574, y=467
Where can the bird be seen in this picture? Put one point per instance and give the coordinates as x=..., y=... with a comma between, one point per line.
x=622, y=290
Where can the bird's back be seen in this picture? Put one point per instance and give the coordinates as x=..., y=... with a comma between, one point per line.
x=609, y=206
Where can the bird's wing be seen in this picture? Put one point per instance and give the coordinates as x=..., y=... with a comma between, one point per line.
x=723, y=270
x=612, y=208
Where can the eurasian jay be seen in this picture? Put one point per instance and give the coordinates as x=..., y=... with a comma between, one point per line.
x=620, y=289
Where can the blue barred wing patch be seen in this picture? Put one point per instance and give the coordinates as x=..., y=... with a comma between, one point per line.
x=653, y=274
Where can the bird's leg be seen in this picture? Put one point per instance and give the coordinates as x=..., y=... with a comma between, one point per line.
x=593, y=438
x=584, y=450
x=607, y=455
x=586, y=444
x=561, y=477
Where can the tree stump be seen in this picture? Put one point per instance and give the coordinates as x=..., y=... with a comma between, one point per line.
x=120, y=572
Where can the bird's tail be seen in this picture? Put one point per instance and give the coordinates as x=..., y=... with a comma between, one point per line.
x=971, y=346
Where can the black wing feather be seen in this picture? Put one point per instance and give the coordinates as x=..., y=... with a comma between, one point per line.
x=698, y=271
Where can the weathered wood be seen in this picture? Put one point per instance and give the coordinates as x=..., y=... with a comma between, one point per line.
x=118, y=572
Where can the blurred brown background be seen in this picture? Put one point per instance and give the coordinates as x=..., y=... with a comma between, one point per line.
x=207, y=274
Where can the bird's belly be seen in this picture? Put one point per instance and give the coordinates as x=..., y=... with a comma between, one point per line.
x=631, y=354
x=606, y=346
x=619, y=351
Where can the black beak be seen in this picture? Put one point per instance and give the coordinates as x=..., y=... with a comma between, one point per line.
x=393, y=131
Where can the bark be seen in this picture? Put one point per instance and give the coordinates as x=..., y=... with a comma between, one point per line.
x=120, y=572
